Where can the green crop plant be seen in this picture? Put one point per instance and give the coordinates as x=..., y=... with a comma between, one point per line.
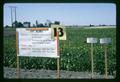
x=74, y=52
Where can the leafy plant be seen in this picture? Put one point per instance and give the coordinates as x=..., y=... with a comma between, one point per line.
x=74, y=52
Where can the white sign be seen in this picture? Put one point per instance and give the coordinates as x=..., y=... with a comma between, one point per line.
x=105, y=40
x=36, y=42
x=91, y=40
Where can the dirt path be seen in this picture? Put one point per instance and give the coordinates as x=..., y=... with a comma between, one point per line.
x=49, y=74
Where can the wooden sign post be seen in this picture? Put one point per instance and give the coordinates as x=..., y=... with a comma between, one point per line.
x=106, y=67
x=58, y=59
x=58, y=31
x=18, y=68
x=105, y=41
x=92, y=61
x=92, y=40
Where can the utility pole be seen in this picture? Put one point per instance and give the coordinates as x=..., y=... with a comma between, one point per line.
x=11, y=17
x=11, y=7
x=15, y=14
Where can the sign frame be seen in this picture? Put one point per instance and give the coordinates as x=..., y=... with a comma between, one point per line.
x=18, y=60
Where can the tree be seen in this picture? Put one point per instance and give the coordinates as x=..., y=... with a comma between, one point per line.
x=91, y=25
x=7, y=26
x=45, y=24
x=57, y=22
x=14, y=24
x=40, y=25
x=17, y=24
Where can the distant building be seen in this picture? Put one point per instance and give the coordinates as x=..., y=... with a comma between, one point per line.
x=48, y=23
x=26, y=24
x=37, y=23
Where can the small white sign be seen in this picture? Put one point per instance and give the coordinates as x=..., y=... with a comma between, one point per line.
x=91, y=40
x=36, y=42
x=105, y=40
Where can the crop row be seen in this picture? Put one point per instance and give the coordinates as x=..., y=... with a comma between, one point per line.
x=74, y=52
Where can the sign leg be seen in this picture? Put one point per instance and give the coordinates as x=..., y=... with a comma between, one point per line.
x=18, y=68
x=92, y=68
x=58, y=59
x=58, y=68
x=106, y=75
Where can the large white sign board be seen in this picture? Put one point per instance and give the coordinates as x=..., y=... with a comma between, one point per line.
x=36, y=42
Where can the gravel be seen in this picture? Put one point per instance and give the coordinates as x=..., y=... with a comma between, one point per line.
x=49, y=74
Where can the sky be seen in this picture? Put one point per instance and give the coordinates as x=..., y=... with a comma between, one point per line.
x=66, y=13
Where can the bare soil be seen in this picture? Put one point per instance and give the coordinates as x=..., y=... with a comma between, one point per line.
x=10, y=73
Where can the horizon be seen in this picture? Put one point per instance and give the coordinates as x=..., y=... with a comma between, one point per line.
x=67, y=13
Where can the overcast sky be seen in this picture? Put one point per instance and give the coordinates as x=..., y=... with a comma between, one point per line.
x=66, y=13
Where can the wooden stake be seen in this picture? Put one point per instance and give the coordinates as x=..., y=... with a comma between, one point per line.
x=106, y=75
x=17, y=50
x=18, y=68
x=58, y=59
x=58, y=68
x=92, y=68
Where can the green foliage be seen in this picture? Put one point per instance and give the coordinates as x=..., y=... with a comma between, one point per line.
x=74, y=52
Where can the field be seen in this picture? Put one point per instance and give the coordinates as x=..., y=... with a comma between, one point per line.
x=74, y=52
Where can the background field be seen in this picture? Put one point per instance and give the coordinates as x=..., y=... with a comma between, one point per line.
x=74, y=52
